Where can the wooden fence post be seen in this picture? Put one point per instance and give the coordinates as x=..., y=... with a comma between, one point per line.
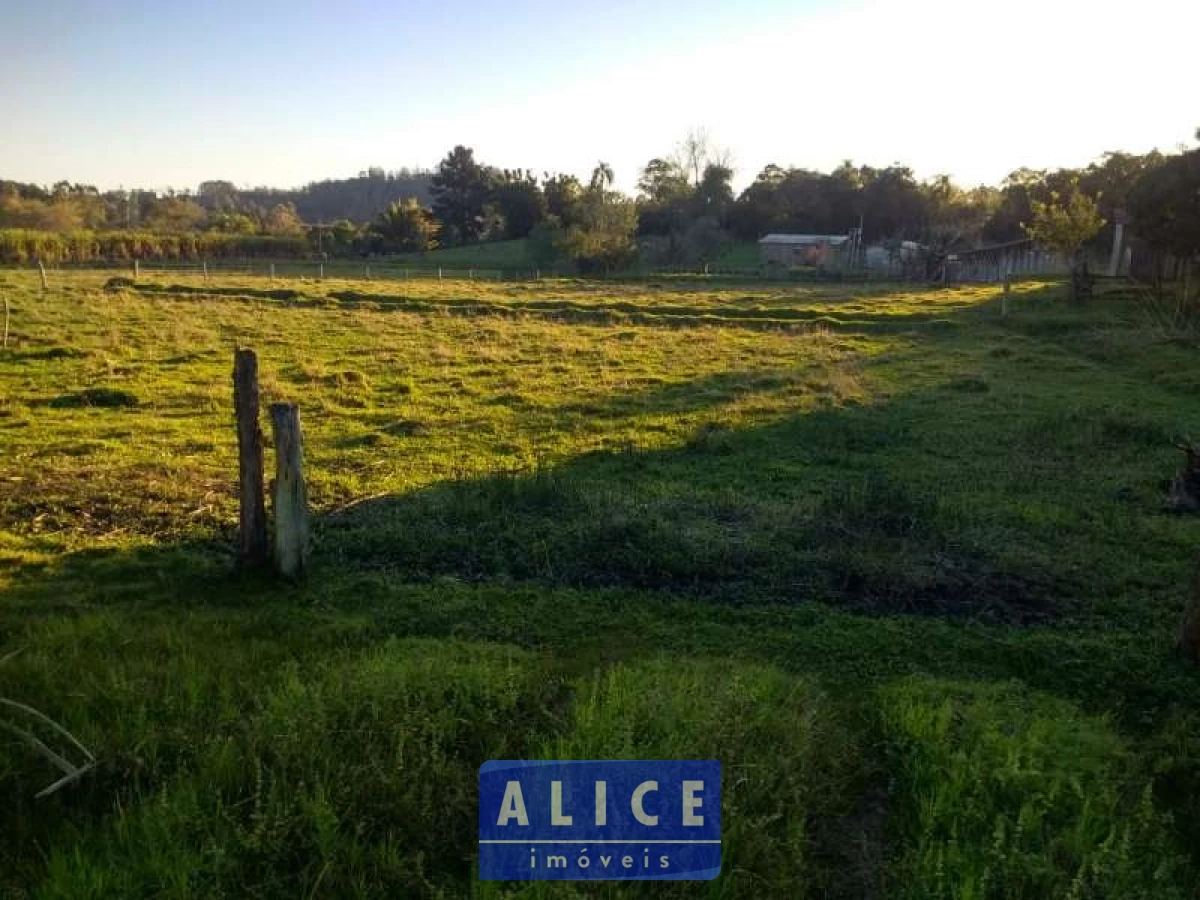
x=6, y=312
x=439, y=273
x=320, y=270
x=204, y=266
x=252, y=519
x=136, y=269
x=42, y=270
x=290, y=497
x=272, y=270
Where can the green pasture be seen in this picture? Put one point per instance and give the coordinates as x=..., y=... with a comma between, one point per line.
x=900, y=561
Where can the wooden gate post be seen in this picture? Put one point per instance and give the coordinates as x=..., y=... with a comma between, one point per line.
x=252, y=519
x=290, y=497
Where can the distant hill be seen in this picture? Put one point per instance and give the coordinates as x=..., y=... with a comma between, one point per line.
x=358, y=199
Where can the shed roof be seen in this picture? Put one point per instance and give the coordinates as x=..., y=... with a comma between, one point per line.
x=804, y=240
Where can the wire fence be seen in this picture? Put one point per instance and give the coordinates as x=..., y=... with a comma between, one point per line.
x=340, y=270
x=976, y=266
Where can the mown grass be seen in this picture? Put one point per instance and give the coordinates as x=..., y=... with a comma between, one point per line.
x=900, y=562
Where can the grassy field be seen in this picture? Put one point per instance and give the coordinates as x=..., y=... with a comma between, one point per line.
x=900, y=562
x=514, y=255
x=494, y=254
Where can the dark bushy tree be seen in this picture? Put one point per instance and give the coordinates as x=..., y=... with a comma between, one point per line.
x=1164, y=206
x=665, y=198
x=520, y=200
x=714, y=193
x=461, y=190
x=404, y=227
x=564, y=194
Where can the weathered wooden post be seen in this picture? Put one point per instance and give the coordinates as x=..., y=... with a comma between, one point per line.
x=272, y=271
x=252, y=519
x=321, y=271
x=42, y=270
x=6, y=313
x=204, y=268
x=136, y=269
x=290, y=497
x=439, y=273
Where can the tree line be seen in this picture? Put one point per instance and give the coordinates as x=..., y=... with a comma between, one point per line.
x=684, y=211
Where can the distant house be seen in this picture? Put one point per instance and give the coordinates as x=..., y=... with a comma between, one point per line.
x=801, y=249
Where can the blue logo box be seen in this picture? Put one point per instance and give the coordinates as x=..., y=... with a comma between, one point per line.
x=595, y=820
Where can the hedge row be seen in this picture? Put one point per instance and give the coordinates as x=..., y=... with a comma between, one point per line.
x=19, y=246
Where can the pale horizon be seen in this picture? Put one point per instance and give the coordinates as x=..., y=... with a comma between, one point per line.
x=129, y=95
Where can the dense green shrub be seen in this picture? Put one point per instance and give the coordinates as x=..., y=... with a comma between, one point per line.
x=20, y=246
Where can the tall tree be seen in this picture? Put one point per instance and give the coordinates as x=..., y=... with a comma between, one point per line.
x=520, y=200
x=1164, y=206
x=663, y=180
x=563, y=196
x=714, y=194
x=461, y=188
x=665, y=198
x=602, y=176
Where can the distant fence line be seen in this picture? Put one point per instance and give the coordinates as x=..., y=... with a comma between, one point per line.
x=989, y=265
x=333, y=269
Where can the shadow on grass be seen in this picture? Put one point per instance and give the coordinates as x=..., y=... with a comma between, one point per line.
x=758, y=313
x=786, y=513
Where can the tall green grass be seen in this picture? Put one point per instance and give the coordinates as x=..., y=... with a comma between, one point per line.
x=1008, y=793
x=356, y=777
